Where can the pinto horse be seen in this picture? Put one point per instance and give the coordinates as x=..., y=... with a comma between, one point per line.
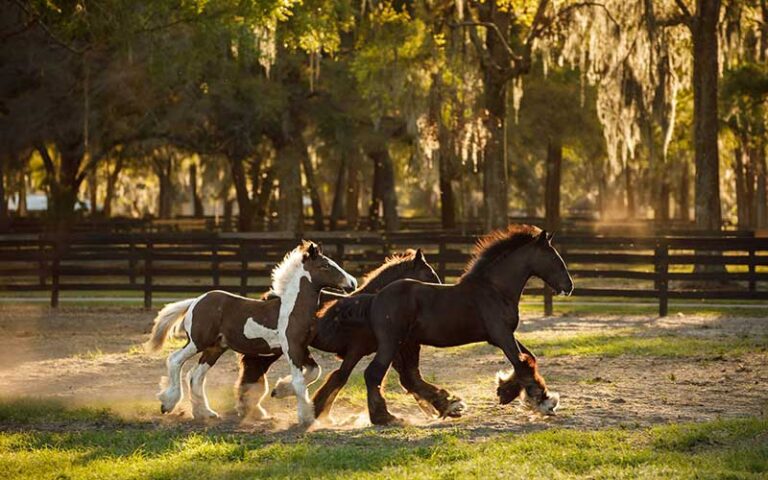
x=482, y=306
x=217, y=321
x=343, y=329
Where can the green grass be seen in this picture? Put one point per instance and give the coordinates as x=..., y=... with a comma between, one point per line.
x=735, y=448
x=629, y=342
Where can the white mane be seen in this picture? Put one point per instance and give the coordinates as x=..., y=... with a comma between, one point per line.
x=287, y=271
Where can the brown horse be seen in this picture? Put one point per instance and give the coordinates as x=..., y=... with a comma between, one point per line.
x=343, y=329
x=217, y=321
x=482, y=306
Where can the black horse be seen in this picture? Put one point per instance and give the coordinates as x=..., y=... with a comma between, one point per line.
x=482, y=306
x=343, y=329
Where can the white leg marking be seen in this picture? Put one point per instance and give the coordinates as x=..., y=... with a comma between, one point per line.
x=170, y=397
x=200, y=406
x=306, y=408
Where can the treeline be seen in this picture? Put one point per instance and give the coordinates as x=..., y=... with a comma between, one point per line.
x=366, y=111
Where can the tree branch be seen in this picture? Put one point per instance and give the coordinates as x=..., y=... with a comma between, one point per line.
x=684, y=9
x=47, y=160
x=490, y=26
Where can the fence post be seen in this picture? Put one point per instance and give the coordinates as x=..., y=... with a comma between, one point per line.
x=215, y=263
x=752, y=269
x=55, y=275
x=42, y=262
x=441, y=253
x=148, y=275
x=661, y=262
x=243, y=270
x=132, y=262
x=548, y=309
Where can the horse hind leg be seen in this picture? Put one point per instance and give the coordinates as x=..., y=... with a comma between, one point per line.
x=284, y=385
x=171, y=394
x=252, y=385
x=201, y=409
x=430, y=398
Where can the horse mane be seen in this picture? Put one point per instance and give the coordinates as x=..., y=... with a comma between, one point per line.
x=285, y=271
x=497, y=244
x=376, y=278
x=392, y=264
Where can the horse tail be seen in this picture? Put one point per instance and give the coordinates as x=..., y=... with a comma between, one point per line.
x=165, y=320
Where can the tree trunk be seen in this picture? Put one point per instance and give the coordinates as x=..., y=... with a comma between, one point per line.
x=339, y=193
x=244, y=205
x=21, y=209
x=447, y=197
x=3, y=199
x=353, y=194
x=63, y=188
x=265, y=193
x=290, y=207
x=93, y=187
x=444, y=153
x=742, y=209
x=495, y=106
x=705, y=127
x=684, y=198
x=197, y=203
x=164, y=170
x=629, y=190
x=494, y=164
x=384, y=198
x=552, y=190
x=109, y=194
x=761, y=195
x=314, y=192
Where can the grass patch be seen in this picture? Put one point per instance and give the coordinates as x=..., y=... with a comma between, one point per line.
x=736, y=448
x=40, y=411
x=628, y=342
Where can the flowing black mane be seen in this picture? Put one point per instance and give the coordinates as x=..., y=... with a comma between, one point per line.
x=496, y=245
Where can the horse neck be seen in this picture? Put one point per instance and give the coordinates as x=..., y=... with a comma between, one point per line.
x=383, y=278
x=511, y=282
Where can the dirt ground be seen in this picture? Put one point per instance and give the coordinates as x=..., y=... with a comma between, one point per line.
x=90, y=356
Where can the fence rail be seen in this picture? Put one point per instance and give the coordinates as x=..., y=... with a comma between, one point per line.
x=661, y=268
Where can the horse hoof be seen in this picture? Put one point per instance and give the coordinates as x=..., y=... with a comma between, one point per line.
x=455, y=409
x=163, y=410
x=388, y=420
x=206, y=415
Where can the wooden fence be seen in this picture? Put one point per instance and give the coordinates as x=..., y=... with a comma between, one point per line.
x=661, y=268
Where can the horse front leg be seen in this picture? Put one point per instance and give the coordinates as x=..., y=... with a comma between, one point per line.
x=297, y=358
x=200, y=406
x=172, y=393
x=326, y=394
x=374, y=378
x=428, y=396
x=526, y=376
x=252, y=384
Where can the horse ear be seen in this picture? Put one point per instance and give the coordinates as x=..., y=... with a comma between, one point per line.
x=312, y=250
x=319, y=247
x=419, y=257
x=543, y=236
x=550, y=236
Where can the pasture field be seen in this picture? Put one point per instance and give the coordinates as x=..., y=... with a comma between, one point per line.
x=684, y=396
